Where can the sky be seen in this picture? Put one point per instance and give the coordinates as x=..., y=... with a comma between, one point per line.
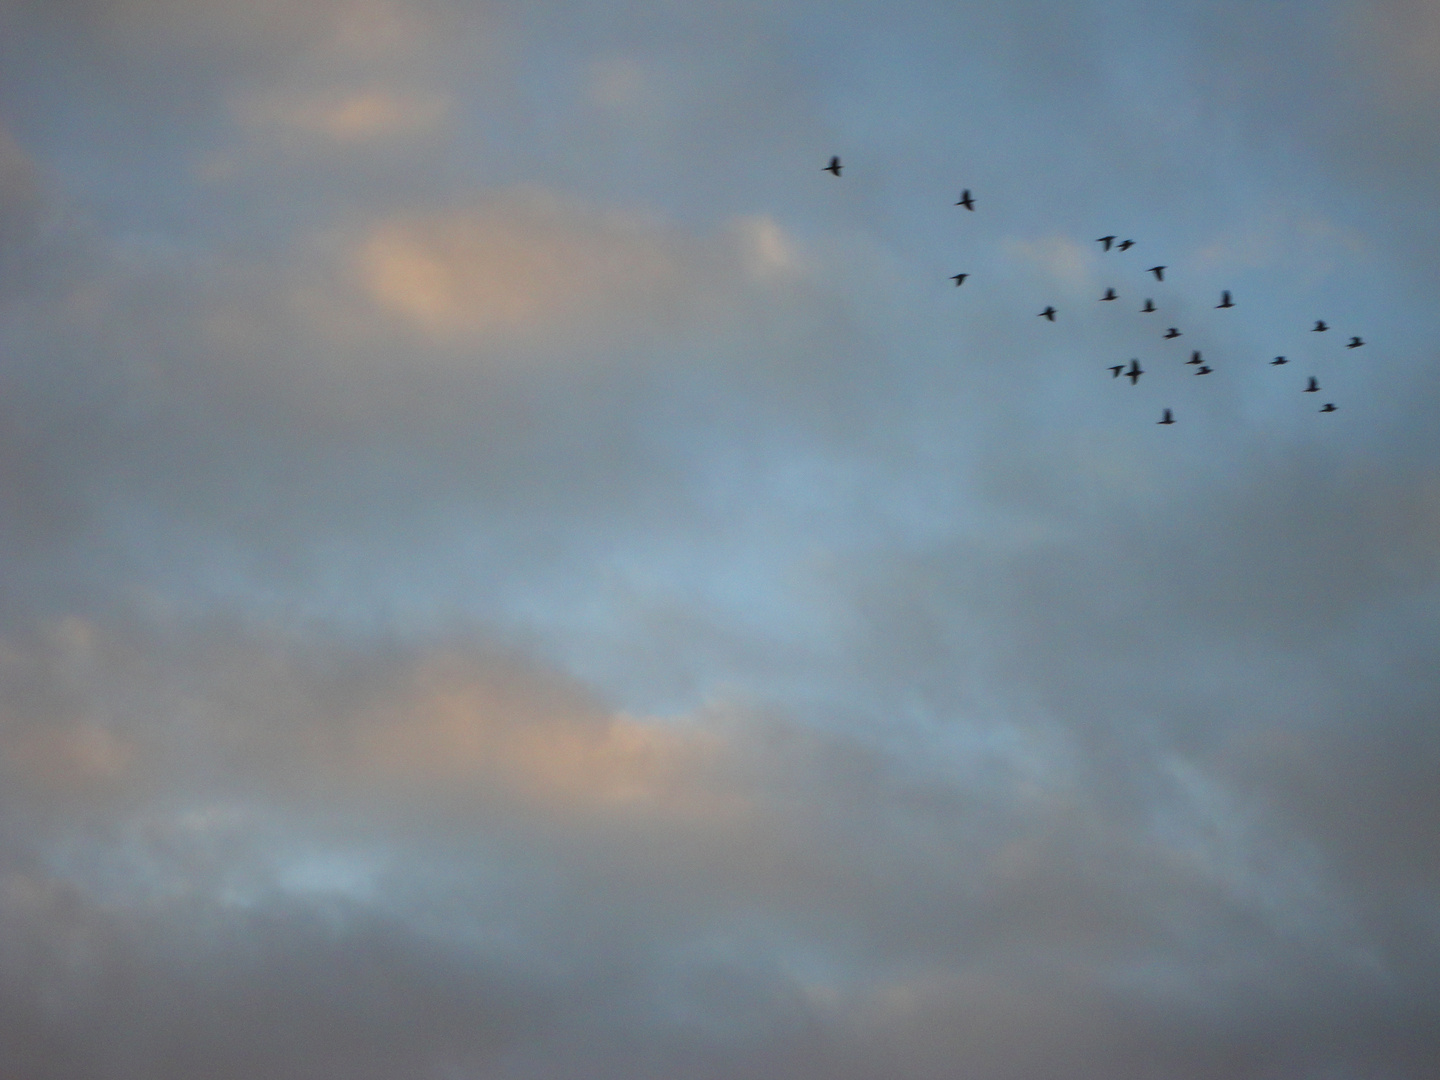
x=510, y=571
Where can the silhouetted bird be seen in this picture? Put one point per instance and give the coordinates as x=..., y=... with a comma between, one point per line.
x=959, y=279
x=965, y=200
x=1313, y=386
x=1355, y=343
x=1278, y=360
x=1149, y=305
x=1125, y=245
x=1135, y=372
x=1224, y=299
x=1107, y=241
x=1203, y=370
x=1194, y=357
x=1109, y=295
x=1116, y=370
x=1172, y=332
x=1329, y=406
x=1159, y=272
x=1166, y=419
x=1048, y=313
x=1320, y=325
x=833, y=167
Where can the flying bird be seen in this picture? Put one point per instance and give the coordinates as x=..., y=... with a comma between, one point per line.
x=1125, y=245
x=1116, y=370
x=1329, y=406
x=1320, y=325
x=1203, y=370
x=1135, y=372
x=1278, y=360
x=1109, y=295
x=1313, y=386
x=1048, y=313
x=1355, y=343
x=1149, y=305
x=1166, y=419
x=959, y=279
x=1172, y=332
x=1107, y=241
x=1194, y=357
x=1224, y=299
x=965, y=200
x=1158, y=271
x=833, y=167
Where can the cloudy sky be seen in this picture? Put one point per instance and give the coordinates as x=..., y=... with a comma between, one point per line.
x=509, y=570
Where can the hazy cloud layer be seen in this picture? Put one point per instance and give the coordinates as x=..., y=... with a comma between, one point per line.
x=509, y=570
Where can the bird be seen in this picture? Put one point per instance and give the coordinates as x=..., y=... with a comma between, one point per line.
x=1149, y=305
x=1158, y=271
x=1135, y=372
x=1125, y=245
x=1166, y=419
x=1278, y=360
x=1048, y=313
x=833, y=167
x=1194, y=357
x=1320, y=326
x=1109, y=295
x=1224, y=299
x=959, y=279
x=1172, y=332
x=1116, y=370
x=965, y=200
x=1203, y=370
x=1355, y=343
x=1107, y=241
x=1313, y=386
x=1329, y=406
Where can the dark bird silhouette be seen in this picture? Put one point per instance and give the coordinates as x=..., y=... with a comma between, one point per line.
x=1166, y=419
x=959, y=279
x=1116, y=370
x=1355, y=343
x=1278, y=360
x=1203, y=370
x=1109, y=295
x=1320, y=325
x=1172, y=332
x=965, y=200
x=1329, y=406
x=1224, y=299
x=1158, y=271
x=1125, y=245
x=1149, y=305
x=1194, y=357
x=1107, y=241
x=1313, y=386
x=1135, y=372
x=1048, y=313
x=833, y=167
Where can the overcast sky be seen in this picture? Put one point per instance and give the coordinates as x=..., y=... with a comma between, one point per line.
x=509, y=570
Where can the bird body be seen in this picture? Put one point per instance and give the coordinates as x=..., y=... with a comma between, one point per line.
x=966, y=201
x=1320, y=326
x=1048, y=313
x=1194, y=357
x=1107, y=241
x=1125, y=245
x=1314, y=386
x=1172, y=332
x=1225, y=299
x=1158, y=271
x=959, y=279
x=1166, y=419
x=833, y=167
x=1116, y=370
x=1149, y=305
x=1329, y=406
x=1109, y=295
x=1355, y=343
x=1278, y=360
x=1135, y=372
x=1203, y=370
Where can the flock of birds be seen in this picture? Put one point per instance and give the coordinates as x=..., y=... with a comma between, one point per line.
x=1133, y=373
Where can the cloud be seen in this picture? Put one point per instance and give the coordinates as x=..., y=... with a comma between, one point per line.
x=360, y=116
